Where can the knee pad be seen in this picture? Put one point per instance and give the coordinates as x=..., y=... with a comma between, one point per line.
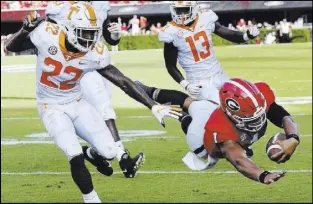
x=107, y=150
x=78, y=162
x=185, y=122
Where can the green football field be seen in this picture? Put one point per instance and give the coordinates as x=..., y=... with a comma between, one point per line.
x=33, y=169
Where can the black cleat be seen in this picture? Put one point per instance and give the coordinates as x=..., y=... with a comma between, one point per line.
x=129, y=165
x=249, y=152
x=102, y=165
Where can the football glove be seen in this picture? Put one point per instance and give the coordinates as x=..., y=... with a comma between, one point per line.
x=115, y=30
x=31, y=21
x=161, y=111
x=193, y=89
x=251, y=33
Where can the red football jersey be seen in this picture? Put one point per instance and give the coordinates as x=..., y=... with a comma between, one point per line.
x=219, y=128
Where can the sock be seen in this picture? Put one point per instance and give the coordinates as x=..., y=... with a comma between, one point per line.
x=81, y=175
x=164, y=96
x=120, y=150
x=90, y=195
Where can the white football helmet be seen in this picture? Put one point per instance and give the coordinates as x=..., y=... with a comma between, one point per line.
x=184, y=12
x=81, y=27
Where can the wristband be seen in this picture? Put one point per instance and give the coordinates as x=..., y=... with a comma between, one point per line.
x=262, y=176
x=295, y=136
x=184, y=83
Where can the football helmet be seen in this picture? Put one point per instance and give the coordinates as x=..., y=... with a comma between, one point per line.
x=244, y=104
x=81, y=28
x=184, y=12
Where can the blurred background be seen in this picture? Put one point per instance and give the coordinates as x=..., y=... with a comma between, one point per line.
x=276, y=19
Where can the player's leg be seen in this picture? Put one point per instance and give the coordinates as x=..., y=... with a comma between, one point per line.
x=98, y=92
x=61, y=129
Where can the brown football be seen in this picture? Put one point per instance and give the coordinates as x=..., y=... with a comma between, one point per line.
x=271, y=147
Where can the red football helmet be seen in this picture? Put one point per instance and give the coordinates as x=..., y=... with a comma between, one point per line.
x=244, y=104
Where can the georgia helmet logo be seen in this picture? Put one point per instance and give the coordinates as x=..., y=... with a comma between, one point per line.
x=232, y=104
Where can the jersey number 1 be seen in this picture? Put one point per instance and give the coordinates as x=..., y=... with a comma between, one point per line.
x=191, y=41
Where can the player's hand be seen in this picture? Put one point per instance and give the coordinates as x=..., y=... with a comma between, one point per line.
x=251, y=33
x=115, y=30
x=161, y=111
x=273, y=177
x=193, y=89
x=31, y=21
x=288, y=147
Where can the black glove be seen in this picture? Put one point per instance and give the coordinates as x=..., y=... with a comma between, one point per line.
x=31, y=21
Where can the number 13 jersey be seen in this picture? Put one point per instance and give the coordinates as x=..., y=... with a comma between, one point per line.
x=195, y=46
x=58, y=72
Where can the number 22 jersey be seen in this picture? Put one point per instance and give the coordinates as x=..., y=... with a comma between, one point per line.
x=58, y=72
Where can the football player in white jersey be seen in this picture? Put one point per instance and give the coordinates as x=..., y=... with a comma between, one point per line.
x=65, y=54
x=188, y=39
x=98, y=90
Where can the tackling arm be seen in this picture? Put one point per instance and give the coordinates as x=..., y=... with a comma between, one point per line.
x=127, y=85
x=235, y=154
x=234, y=36
x=19, y=42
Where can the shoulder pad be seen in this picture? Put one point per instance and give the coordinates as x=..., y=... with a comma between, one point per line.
x=267, y=93
x=54, y=7
x=209, y=15
x=101, y=55
x=167, y=34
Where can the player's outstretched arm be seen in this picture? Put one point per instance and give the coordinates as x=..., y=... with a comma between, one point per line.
x=130, y=88
x=281, y=118
x=20, y=41
x=235, y=154
x=235, y=36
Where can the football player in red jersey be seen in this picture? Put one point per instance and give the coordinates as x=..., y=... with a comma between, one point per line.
x=225, y=131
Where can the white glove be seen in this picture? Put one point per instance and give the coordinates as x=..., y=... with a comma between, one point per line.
x=251, y=33
x=115, y=30
x=161, y=111
x=193, y=89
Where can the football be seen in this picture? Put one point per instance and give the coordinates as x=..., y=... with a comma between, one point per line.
x=271, y=147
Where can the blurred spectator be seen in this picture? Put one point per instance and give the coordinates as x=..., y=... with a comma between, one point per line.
x=285, y=30
x=134, y=24
x=270, y=38
x=158, y=28
x=241, y=25
x=250, y=24
x=14, y=5
x=230, y=26
x=267, y=26
x=143, y=24
x=153, y=30
x=124, y=29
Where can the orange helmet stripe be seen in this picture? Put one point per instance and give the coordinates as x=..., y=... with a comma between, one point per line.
x=92, y=14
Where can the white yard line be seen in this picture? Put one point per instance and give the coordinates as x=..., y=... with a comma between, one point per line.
x=154, y=172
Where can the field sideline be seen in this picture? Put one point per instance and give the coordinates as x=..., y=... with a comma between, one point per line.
x=34, y=170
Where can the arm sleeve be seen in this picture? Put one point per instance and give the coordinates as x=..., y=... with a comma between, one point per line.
x=19, y=42
x=276, y=113
x=170, y=57
x=227, y=34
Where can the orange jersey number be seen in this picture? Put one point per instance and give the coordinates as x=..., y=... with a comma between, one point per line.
x=65, y=85
x=53, y=28
x=202, y=54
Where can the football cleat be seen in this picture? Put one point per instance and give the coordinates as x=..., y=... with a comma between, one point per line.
x=102, y=165
x=249, y=152
x=130, y=166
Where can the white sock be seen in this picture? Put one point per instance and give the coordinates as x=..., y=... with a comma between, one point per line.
x=92, y=196
x=120, y=150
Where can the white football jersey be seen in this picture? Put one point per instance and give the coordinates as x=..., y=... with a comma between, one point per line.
x=58, y=72
x=195, y=46
x=59, y=10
